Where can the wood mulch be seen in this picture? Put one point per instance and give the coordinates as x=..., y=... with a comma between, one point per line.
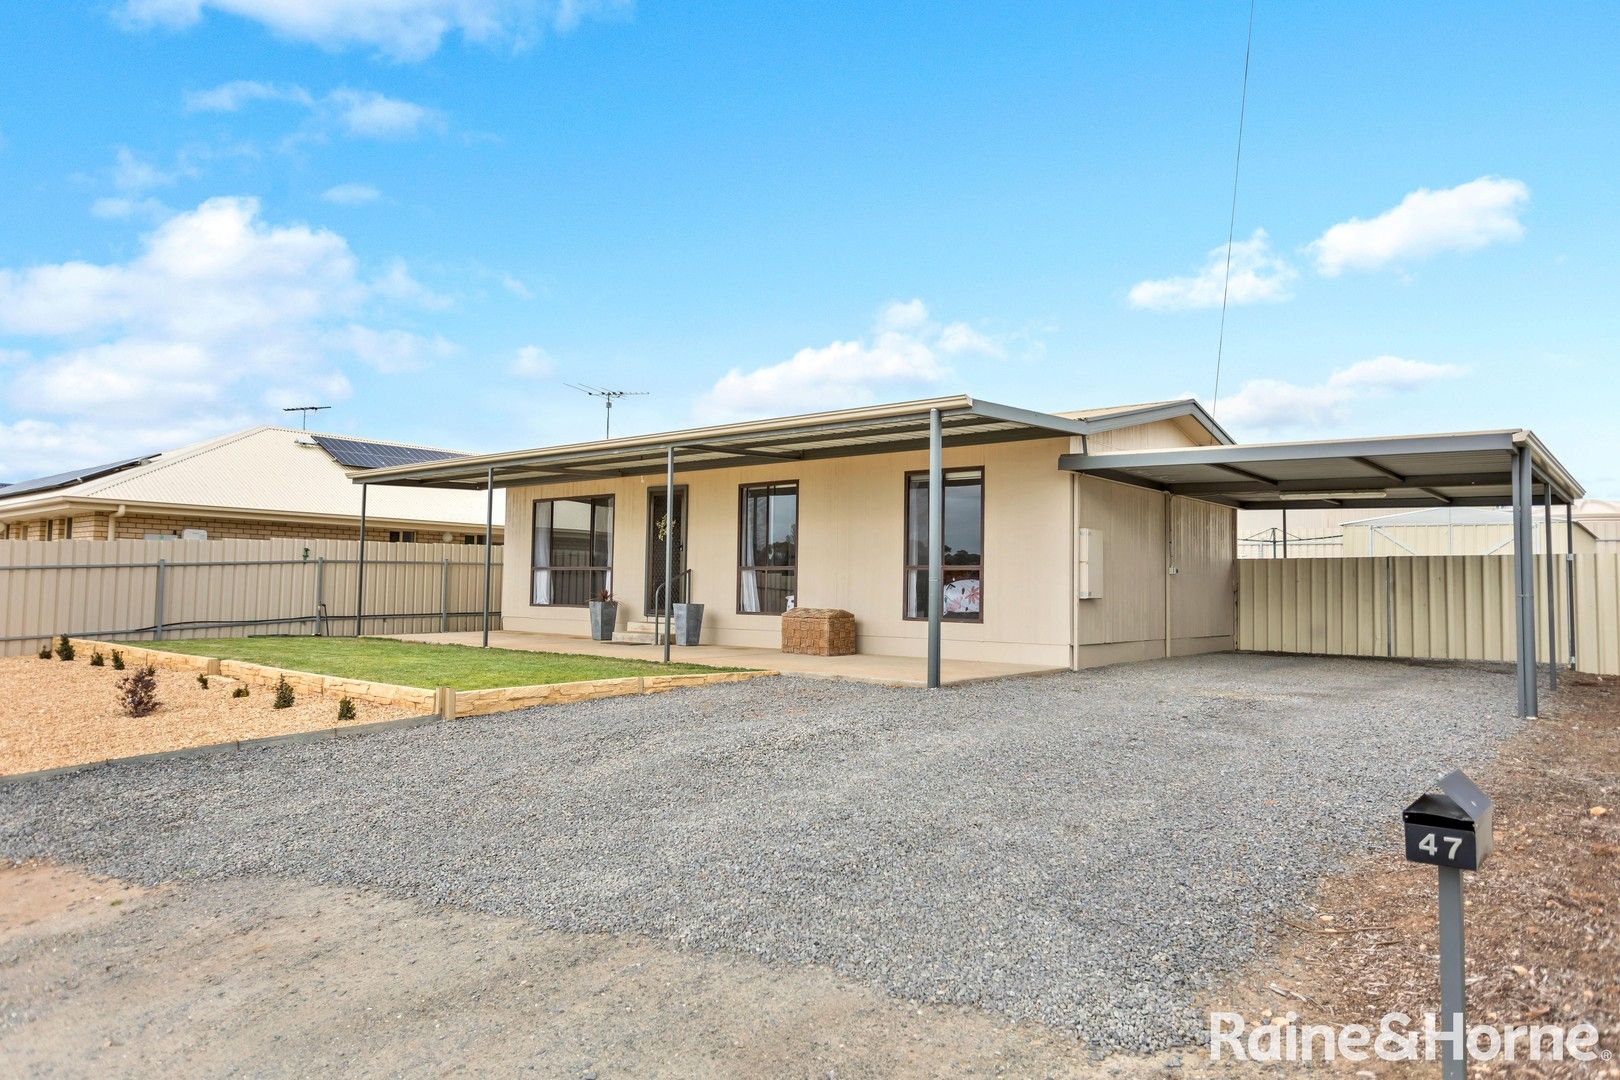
x=55, y=713
x=1542, y=922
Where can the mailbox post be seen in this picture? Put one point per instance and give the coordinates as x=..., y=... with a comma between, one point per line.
x=1451, y=830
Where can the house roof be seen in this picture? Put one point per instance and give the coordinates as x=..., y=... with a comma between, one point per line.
x=263, y=470
x=1458, y=469
x=843, y=433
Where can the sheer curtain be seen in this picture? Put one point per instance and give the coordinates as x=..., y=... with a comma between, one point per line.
x=542, y=554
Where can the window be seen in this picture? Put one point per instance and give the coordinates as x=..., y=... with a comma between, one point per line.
x=964, y=545
x=402, y=536
x=768, y=548
x=573, y=550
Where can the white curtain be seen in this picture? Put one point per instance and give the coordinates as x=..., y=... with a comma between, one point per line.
x=750, y=590
x=542, y=587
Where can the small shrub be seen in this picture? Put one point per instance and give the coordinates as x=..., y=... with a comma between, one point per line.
x=118, y=660
x=137, y=691
x=284, y=694
x=346, y=712
x=202, y=680
x=64, y=648
x=45, y=653
x=240, y=691
x=97, y=660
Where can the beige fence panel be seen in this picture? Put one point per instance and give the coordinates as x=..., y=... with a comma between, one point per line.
x=145, y=589
x=1446, y=607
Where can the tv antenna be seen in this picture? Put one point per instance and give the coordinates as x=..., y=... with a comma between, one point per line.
x=303, y=412
x=608, y=398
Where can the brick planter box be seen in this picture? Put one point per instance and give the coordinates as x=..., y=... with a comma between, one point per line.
x=818, y=632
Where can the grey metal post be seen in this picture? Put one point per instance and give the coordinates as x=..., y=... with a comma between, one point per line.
x=444, y=597
x=157, y=603
x=936, y=541
x=1552, y=589
x=320, y=595
x=1454, y=1060
x=1523, y=585
x=360, y=577
x=669, y=543
x=1389, y=605
x=1285, y=531
x=489, y=543
x=1569, y=577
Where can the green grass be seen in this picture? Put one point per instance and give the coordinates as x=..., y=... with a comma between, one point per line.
x=414, y=663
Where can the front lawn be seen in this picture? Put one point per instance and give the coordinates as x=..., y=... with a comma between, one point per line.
x=414, y=663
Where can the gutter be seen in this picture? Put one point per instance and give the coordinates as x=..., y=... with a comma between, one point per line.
x=112, y=520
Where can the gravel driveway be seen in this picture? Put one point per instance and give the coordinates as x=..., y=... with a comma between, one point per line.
x=1087, y=850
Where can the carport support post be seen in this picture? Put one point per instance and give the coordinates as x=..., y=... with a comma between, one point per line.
x=1524, y=583
x=360, y=577
x=489, y=542
x=1453, y=1059
x=1569, y=576
x=669, y=543
x=1552, y=590
x=936, y=541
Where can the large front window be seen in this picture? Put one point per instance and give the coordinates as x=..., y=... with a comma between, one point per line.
x=573, y=549
x=964, y=545
x=768, y=555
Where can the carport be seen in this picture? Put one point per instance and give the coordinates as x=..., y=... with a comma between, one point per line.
x=1485, y=468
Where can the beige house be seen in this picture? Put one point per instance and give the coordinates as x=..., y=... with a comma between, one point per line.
x=830, y=510
x=262, y=483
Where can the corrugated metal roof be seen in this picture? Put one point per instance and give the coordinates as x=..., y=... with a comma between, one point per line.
x=266, y=469
x=1460, y=468
x=844, y=433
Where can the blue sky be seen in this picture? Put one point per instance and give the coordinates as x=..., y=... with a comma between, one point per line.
x=432, y=214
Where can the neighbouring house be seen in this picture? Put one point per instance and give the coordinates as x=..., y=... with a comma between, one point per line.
x=264, y=482
x=1068, y=539
x=1435, y=530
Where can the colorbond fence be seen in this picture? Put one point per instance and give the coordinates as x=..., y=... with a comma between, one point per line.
x=1447, y=607
x=150, y=589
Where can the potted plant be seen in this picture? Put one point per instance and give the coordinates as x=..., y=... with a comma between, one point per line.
x=604, y=616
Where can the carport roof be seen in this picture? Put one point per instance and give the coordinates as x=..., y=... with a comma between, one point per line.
x=877, y=429
x=1461, y=469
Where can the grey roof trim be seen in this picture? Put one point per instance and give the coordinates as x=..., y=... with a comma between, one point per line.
x=1169, y=410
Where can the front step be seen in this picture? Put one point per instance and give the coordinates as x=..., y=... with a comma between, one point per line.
x=640, y=632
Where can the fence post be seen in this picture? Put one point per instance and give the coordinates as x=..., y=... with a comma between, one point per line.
x=444, y=598
x=157, y=603
x=320, y=596
x=1389, y=605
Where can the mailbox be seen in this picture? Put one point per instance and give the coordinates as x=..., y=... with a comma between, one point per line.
x=1451, y=827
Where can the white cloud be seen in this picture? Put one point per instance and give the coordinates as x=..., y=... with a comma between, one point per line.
x=1274, y=404
x=218, y=313
x=1464, y=218
x=231, y=96
x=399, y=29
x=351, y=194
x=1257, y=276
x=532, y=362
x=364, y=114
x=516, y=286
x=904, y=353
x=131, y=172
x=122, y=207
x=371, y=115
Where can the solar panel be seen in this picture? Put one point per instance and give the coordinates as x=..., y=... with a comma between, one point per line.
x=62, y=479
x=359, y=454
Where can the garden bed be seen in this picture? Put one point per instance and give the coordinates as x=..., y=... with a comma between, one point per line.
x=56, y=713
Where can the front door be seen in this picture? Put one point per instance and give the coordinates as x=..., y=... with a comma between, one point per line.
x=657, y=524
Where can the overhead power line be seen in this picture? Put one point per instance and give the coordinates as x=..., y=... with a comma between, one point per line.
x=1231, y=222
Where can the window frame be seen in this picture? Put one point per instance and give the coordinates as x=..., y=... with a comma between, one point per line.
x=594, y=500
x=905, y=522
x=742, y=505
